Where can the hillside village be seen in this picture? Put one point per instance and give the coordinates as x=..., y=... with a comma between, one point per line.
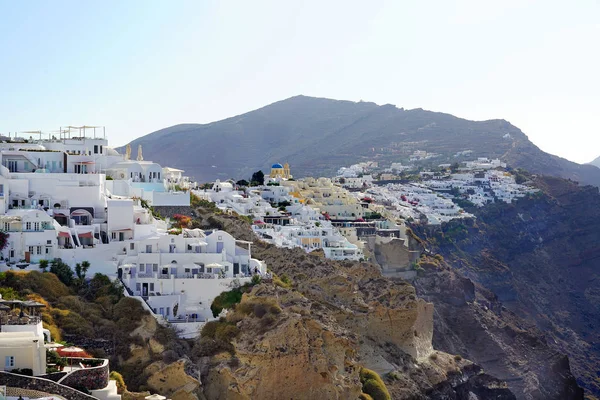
x=352, y=215
x=73, y=200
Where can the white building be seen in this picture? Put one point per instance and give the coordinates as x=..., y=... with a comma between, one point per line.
x=178, y=276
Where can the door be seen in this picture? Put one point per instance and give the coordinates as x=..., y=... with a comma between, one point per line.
x=219, y=247
x=144, y=289
x=236, y=268
x=121, y=236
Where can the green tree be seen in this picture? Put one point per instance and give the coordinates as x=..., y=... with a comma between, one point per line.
x=62, y=271
x=258, y=178
x=44, y=265
x=81, y=270
x=242, y=182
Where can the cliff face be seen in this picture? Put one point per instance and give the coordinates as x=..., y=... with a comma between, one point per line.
x=470, y=321
x=335, y=319
x=541, y=258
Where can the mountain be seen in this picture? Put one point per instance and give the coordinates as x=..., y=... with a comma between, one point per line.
x=596, y=162
x=316, y=136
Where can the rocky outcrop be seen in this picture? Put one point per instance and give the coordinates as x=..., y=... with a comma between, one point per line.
x=473, y=324
x=540, y=256
x=298, y=353
x=172, y=380
x=336, y=318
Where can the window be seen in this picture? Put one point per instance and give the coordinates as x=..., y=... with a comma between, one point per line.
x=131, y=246
x=7, y=226
x=95, y=149
x=148, y=248
x=138, y=286
x=36, y=226
x=142, y=267
x=151, y=287
x=113, y=235
x=28, y=226
x=1, y=190
x=47, y=250
x=154, y=267
x=9, y=362
x=48, y=241
x=30, y=249
x=100, y=149
x=168, y=311
x=39, y=250
x=162, y=311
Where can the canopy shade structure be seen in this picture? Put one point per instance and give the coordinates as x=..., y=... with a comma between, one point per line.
x=53, y=345
x=31, y=303
x=64, y=234
x=214, y=265
x=4, y=308
x=80, y=212
x=72, y=352
x=84, y=162
x=12, y=302
x=86, y=235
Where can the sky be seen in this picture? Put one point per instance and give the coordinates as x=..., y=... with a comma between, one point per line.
x=139, y=66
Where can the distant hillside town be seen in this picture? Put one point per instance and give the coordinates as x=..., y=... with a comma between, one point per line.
x=70, y=199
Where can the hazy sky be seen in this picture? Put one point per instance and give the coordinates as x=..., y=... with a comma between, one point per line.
x=139, y=66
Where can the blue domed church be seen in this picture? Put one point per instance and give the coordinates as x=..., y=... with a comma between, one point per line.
x=280, y=171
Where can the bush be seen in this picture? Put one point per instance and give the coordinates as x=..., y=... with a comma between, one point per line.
x=118, y=378
x=62, y=271
x=282, y=281
x=256, y=279
x=458, y=357
x=373, y=385
x=226, y=300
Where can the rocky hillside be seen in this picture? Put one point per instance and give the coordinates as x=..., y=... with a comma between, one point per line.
x=540, y=257
x=317, y=136
x=468, y=321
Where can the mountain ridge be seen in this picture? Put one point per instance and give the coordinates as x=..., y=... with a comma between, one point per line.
x=319, y=135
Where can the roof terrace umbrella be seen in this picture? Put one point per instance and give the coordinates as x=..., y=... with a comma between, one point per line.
x=72, y=352
x=214, y=265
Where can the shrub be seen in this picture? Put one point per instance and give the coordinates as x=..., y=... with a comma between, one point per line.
x=62, y=271
x=458, y=357
x=226, y=300
x=118, y=378
x=373, y=385
x=282, y=281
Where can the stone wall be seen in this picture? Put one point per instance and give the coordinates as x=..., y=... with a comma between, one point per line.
x=92, y=378
x=55, y=376
x=169, y=211
x=41, y=385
